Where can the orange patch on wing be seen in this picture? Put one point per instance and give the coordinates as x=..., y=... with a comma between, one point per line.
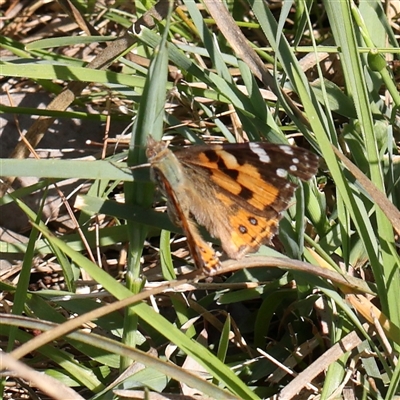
x=211, y=263
x=264, y=195
x=226, y=182
x=250, y=232
x=249, y=170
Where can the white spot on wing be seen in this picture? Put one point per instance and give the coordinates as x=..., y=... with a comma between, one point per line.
x=281, y=173
x=286, y=149
x=295, y=160
x=262, y=154
x=293, y=168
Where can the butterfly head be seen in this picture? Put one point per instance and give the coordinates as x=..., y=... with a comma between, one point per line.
x=154, y=148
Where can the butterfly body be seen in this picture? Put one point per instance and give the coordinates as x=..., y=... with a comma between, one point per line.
x=236, y=191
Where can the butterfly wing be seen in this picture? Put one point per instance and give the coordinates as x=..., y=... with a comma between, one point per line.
x=241, y=190
x=237, y=192
x=203, y=255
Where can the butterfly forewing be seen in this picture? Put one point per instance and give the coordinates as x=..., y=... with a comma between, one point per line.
x=255, y=174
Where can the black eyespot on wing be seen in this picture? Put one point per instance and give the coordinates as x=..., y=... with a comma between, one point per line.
x=242, y=229
x=253, y=221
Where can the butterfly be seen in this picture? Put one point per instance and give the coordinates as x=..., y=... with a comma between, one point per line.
x=236, y=191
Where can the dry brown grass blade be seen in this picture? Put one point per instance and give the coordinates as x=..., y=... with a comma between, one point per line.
x=76, y=16
x=238, y=42
x=47, y=384
x=353, y=284
x=370, y=312
x=241, y=47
